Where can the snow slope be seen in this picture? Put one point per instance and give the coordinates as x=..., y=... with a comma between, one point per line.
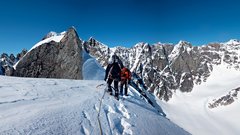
x=58, y=106
x=91, y=69
x=191, y=111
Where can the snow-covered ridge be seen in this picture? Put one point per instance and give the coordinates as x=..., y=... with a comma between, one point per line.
x=58, y=106
x=53, y=36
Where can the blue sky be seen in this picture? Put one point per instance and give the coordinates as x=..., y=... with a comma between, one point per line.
x=119, y=22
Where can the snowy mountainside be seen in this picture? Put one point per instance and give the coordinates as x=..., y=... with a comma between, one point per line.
x=199, y=83
x=166, y=68
x=212, y=107
x=7, y=62
x=58, y=106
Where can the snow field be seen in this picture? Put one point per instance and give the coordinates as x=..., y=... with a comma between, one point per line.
x=190, y=110
x=58, y=106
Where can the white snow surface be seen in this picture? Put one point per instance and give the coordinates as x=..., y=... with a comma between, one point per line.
x=58, y=106
x=190, y=110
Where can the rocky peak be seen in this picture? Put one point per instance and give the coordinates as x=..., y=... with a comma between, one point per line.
x=183, y=46
x=54, y=59
x=6, y=64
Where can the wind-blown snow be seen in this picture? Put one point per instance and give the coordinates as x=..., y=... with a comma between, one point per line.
x=91, y=69
x=58, y=106
x=191, y=111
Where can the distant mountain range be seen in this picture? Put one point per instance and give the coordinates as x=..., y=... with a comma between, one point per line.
x=164, y=68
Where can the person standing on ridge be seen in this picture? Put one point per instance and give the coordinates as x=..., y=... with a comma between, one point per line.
x=125, y=79
x=113, y=72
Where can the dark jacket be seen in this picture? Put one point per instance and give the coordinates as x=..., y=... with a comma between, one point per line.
x=113, y=71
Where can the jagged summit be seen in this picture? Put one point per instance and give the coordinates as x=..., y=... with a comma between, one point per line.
x=182, y=43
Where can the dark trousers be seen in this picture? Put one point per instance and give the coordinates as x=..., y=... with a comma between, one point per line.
x=123, y=83
x=115, y=86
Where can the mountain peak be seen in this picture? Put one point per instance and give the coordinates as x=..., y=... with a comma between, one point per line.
x=233, y=42
x=184, y=43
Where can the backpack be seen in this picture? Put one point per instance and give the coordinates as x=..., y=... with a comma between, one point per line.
x=114, y=72
x=125, y=74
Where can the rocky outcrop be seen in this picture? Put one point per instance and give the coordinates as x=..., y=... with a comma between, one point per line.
x=54, y=59
x=225, y=100
x=6, y=64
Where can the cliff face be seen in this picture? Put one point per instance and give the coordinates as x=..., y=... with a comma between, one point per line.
x=53, y=59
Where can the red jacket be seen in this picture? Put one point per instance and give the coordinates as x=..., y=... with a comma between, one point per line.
x=125, y=74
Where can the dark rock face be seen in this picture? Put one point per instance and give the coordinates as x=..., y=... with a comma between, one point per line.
x=54, y=59
x=20, y=55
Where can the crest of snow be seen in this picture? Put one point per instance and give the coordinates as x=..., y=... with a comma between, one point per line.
x=56, y=38
x=92, y=70
x=190, y=110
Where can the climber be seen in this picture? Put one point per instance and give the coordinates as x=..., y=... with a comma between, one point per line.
x=125, y=79
x=113, y=72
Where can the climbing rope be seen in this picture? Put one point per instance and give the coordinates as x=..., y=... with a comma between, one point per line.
x=100, y=106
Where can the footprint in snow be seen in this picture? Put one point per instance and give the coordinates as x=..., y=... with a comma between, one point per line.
x=109, y=109
x=126, y=127
x=85, y=114
x=85, y=131
x=96, y=107
x=124, y=111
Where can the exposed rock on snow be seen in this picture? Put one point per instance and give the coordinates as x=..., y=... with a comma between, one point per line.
x=225, y=100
